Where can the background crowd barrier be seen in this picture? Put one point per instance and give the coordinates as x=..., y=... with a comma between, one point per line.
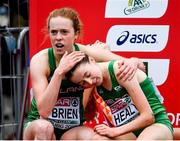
x=14, y=72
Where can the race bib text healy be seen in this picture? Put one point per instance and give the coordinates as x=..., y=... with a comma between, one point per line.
x=123, y=111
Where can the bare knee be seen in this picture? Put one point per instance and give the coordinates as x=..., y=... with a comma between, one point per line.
x=156, y=131
x=128, y=136
x=176, y=134
x=78, y=133
x=39, y=129
x=99, y=137
x=85, y=133
x=44, y=127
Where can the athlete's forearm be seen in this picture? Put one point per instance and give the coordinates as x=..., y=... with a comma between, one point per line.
x=50, y=95
x=135, y=124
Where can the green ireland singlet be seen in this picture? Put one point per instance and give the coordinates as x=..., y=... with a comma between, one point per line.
x=68, y=110
x=122, y=107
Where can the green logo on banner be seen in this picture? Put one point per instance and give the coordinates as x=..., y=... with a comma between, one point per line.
x=136, y=5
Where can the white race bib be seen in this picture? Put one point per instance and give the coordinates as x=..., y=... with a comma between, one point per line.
x=123, y=111
x=66, y=113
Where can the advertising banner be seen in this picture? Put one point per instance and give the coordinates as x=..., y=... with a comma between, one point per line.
x=147, y=29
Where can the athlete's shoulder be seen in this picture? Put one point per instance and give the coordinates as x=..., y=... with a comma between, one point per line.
x=82, y=47
x=40, y=58
x=41, y=54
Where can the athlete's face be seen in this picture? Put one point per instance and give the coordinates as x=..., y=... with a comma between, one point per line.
x=62, y=34
x=87, y=75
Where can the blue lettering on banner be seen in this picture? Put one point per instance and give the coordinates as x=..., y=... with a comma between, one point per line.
x=136, y=38
x=143, y=38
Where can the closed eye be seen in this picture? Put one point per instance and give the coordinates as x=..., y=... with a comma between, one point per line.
x=87, y=74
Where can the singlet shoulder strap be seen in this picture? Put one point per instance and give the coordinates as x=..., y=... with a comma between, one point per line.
x=112, y=74
x=51, y=60
x=76, y=47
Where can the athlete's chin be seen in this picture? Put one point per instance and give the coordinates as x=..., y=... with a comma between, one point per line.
x=98, y=84
x=60, y=52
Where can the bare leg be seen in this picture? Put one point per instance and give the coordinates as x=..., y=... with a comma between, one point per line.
x=39, y=129
x=129, y=136
x=176, y=134
x=99, y=137
x=156, y=132
x=78, y=133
